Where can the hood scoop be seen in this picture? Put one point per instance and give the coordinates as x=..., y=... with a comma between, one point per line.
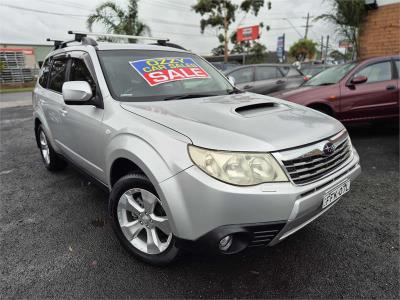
x=257, y=109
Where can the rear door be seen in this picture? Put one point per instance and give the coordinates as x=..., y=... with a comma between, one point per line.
x=244, y=78
x=268, y=79
x=83, y=137
x=376, y=98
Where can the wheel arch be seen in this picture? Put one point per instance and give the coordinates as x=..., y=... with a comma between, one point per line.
x=322, y=107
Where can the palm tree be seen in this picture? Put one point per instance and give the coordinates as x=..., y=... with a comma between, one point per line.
x=118, y=20
x=348, y=15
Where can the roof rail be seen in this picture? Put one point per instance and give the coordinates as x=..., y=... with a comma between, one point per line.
x=160, y=41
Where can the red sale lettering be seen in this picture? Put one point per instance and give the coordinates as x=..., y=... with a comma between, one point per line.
x=161, y=70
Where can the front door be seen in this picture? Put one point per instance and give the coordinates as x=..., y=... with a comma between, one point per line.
x=269, y=79
x=244, y=78
x=83, y=136
x=375, y=98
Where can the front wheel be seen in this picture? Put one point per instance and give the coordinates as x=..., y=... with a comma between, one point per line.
x=140, y=221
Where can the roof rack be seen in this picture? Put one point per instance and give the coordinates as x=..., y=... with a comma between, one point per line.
x=79, y=34
x=82, y=36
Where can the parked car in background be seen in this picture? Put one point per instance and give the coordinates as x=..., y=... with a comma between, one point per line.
x=364, y=90
x=266, y=78
x=312, y=70
x=224, y=66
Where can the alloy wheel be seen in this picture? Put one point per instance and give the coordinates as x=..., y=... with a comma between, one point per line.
x=143, y=221
x=44, y=147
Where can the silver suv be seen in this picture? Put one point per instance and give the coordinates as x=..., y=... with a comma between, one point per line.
x=190, y=161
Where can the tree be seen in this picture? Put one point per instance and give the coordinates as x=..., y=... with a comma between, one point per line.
x=118, y=20
x=221, y=14
x=2, y=66
x=303, y=49
x=337, y=55
x=348, y=15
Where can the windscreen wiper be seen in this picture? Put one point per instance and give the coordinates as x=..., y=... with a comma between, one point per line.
x=188, y=96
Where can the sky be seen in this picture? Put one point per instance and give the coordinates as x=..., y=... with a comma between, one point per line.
x=32, y=21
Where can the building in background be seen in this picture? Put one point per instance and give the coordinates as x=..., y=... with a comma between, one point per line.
x=21, y=62
x=380, y=34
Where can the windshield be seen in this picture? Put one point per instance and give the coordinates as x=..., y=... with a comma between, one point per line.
x=330, y=76
x=143, y=75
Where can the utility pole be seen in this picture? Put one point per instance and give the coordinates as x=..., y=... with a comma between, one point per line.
x=322, y=47
x=327, y=46
x=308, y=18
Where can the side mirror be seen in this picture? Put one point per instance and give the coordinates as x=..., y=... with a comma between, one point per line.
x=231, y=80
x=77, y=92
x=359, y=79
x=40, y=63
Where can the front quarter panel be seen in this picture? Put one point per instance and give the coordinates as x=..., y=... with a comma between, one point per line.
x=159, y=151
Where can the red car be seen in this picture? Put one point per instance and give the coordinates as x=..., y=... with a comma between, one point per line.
x=364, y=90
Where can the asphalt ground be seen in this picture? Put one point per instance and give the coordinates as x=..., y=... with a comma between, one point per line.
x=56, y=240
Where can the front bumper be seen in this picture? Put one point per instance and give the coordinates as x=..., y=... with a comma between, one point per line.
x=204, y=210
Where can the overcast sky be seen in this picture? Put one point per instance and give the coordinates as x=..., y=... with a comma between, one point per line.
x=32, y=21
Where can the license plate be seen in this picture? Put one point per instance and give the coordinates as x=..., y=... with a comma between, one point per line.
x=335, y=193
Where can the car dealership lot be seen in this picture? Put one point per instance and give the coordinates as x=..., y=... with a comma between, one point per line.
x=56, y=240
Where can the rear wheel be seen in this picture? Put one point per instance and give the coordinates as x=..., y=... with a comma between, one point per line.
x=50, y=158
x=140, y=221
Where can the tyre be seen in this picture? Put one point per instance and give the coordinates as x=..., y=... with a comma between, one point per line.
x=51, y=160
x=140, y=222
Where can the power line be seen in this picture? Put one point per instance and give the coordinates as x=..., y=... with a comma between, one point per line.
x=42, y=11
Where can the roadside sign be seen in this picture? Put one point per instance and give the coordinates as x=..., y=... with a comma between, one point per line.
x=247, y=33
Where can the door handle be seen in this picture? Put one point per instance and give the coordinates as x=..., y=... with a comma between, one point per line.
x=246, y=87
x=280, y=81
x=391, y=87
x=63, y=112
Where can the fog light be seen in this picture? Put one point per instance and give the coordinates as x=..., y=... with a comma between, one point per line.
x=225, y=243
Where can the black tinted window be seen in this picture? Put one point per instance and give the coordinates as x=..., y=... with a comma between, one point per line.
x=264, y=73
x=242, y=75
x=80, y=72
x=44, y=73
x=377, y=72
x=57, y=75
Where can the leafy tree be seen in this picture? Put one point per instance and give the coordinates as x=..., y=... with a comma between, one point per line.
x=257, y=51
x=303, y=49
x=220, y=14
x=348, y=15
x=2, y=66
x=337, y=55
x=119, y=20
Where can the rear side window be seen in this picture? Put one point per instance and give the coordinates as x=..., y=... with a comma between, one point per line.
x=44, y=73
x=57, y=74
x=80, y=72
x=397, y=62
x=377, y=72
x=242, y=75
x=265, y=73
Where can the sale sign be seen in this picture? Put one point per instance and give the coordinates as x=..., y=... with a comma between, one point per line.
x=247, y=33
x=167, y=69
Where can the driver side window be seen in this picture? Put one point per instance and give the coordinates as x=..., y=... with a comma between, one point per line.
x=80, y=72
x=377, y=72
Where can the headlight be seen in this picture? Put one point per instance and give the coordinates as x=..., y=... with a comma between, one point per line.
x=236, y=167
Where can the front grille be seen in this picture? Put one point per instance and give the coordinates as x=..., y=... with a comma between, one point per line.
x=264, y=234
x=315, y=165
